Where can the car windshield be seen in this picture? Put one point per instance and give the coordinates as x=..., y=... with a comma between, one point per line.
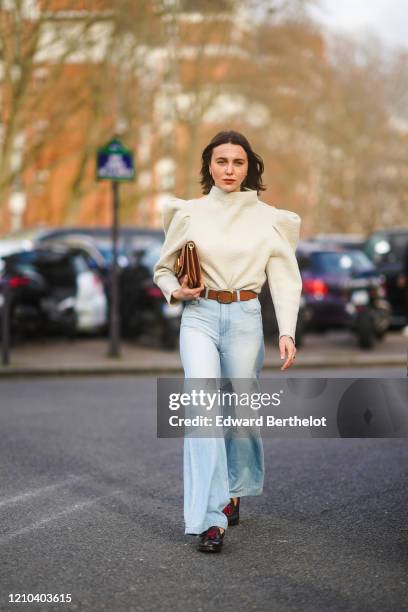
x=345, y=263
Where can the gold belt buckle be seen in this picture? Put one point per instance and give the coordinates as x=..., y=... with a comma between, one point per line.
x=226, y=301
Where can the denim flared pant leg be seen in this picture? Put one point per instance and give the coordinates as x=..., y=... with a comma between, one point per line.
x=220, y=340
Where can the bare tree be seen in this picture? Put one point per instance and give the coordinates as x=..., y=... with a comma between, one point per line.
x=38, y=45
x=365, y=163
x=165, y=75
x=223, y=71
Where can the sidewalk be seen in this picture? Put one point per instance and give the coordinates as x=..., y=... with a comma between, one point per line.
x=88, y=356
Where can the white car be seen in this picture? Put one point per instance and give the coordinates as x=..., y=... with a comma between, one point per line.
x=90, y=303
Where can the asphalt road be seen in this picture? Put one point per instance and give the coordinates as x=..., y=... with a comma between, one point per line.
x=91, y=505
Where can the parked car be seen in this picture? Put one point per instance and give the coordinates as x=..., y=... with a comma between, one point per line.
x=144, y=309
x=131, y=238
x=97, y=256
x=349, y=242
x=36, y=233
x=138, y=302
x=7, y=247
x=342, y=289
x=270, y=324
x=386, y=249
x=53, y=290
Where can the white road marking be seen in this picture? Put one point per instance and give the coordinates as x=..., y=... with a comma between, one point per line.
x=38, y=524
x=33, y=493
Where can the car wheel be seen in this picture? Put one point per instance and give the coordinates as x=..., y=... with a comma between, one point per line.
x=380, y=335
x=365, y=331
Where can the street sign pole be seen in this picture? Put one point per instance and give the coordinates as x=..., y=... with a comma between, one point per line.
x=115, y=163
x=5, y=323
x=114, y=336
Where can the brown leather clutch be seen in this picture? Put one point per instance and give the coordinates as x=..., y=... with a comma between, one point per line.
x=187, y=262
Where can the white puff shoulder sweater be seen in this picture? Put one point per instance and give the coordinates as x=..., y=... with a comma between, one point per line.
x=241, y=242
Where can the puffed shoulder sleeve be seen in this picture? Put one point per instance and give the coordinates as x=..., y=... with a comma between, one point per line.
x=282, y=270
x=176, y=220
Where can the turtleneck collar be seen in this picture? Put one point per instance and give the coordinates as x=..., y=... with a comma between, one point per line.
x=249, y=196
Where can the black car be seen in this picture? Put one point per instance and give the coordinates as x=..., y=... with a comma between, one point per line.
x=269, y=321
x=387, y=249
x=342, y=289
x=42, y=285
x=143, y=308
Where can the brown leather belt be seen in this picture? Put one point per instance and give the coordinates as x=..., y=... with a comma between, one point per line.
x=226, y=297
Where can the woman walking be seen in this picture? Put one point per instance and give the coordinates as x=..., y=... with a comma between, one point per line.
x=241, y=242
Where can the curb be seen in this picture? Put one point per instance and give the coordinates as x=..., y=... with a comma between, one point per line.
x=17, y=371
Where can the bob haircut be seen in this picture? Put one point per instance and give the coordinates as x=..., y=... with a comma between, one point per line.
x=253, y=179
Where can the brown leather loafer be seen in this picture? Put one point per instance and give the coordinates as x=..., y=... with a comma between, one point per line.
x=231, y=511
x=211, y=540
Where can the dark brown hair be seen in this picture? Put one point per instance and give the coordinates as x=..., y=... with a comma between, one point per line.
x=253, y=179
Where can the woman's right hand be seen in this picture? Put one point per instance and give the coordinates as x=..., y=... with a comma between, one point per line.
x=185, y=293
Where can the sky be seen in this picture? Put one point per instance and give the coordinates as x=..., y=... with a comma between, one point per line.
x=386, y=18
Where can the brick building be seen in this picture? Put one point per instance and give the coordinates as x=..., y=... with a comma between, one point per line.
x=165, y=82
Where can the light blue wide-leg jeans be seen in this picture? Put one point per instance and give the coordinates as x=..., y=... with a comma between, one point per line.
x=220, y=341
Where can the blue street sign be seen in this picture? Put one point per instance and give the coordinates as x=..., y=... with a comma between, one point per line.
x=115, y=162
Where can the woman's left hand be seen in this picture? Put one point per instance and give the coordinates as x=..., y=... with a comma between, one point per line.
x=286, y=345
